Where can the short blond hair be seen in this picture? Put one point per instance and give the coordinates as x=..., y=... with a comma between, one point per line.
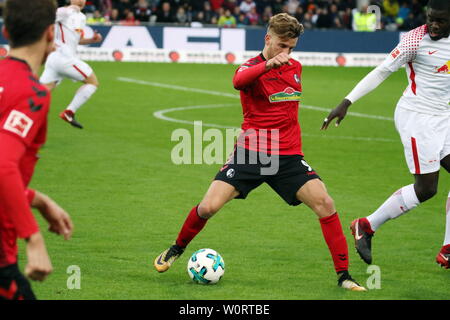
x=285, y=26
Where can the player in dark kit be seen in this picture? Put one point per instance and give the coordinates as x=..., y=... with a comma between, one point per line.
x=269, y=149
x=24, y=104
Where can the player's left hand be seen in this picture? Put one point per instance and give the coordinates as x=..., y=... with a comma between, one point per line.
x=339, y=112
x=97, y=37
x=58, y=219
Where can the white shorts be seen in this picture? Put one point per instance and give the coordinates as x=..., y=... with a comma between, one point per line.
x=60, y=66
x=425, y=138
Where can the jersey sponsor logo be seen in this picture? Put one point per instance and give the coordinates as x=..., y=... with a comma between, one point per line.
x=18, y=123
x=395, y=53
x=432, y=52
x=444, y=69
x=296, y=78
x=289, y=94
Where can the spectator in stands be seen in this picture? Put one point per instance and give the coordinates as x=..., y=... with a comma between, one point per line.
x=91, y=6
x=142, y=11
x=277, y=6
x=181, y=17
x=129, y=20
x=230, y=4
x=210, y=16
x=227, y=20
x=216, y=5
x=247, y=5
x=336, y=17
x=299, y=14
x=242, y=20
x=105, y=8
x=363, y=21
x=124, y=6
x=391, y=9
x=292, y=6
x=253, y=17
x=114, y=17
x=307, y=20
x=267, y=14
x=324, y=19
x=96, y=18
x=164, y=15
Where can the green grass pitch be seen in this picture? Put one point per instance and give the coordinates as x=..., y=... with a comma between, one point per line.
x=128, y=200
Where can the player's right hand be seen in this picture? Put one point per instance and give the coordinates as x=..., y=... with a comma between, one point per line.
x=38, y=265
x=339, y=112
x=278, y=61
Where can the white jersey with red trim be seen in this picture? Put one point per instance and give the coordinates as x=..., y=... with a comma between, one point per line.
x=428, y=69
x=70, y=22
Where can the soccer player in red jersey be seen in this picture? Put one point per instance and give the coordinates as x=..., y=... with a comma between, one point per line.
x=24, y=104
x=269, y=149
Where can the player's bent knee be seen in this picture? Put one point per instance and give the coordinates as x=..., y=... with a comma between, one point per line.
x=425, y=192
x=324, y=206
x=207, y=209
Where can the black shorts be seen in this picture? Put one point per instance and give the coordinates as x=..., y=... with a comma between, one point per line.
x=247, y=170
x=13, y=285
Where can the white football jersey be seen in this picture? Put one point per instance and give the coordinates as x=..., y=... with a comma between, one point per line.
x=69, y=26
x=427, y=65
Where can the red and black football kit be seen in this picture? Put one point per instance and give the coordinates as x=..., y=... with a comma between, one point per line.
x=24, y=105
x=270, y=102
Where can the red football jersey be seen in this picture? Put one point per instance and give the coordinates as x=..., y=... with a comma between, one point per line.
x=270, y=103
x=24, y=105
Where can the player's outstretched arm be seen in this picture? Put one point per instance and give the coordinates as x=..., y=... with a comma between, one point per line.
x=95, y=39
x=366, y=85
x=339, y=112
x=58, y=219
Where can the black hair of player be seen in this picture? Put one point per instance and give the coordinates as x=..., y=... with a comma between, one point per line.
x=25, y=21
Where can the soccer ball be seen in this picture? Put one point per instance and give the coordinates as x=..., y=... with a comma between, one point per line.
x=206, y=266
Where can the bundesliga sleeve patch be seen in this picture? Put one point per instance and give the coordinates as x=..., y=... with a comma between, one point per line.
x=18, y=123
x=395, y=53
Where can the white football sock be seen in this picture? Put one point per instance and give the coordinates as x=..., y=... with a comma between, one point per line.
x=400, y=202
x=83, y=94
x=447, y=224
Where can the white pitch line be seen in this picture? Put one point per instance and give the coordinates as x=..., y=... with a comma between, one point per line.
x=161, y=114
x=236, y=96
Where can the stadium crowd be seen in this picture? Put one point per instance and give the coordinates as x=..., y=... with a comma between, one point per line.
x=313, y=14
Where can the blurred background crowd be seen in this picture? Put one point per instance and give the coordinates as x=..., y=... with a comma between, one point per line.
x=313, y=14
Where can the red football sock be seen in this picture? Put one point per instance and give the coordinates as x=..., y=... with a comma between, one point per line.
x=191, y=227
x=335, y=239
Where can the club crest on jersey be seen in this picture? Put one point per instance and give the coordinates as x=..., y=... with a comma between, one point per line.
x=18, y=123
x=444, y=69
x=230, y=173
x=289, y=94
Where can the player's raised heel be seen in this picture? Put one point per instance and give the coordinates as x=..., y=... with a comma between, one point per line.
x=347, y=282
x=363, y=234
x=163, y=262
x=69, y=116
